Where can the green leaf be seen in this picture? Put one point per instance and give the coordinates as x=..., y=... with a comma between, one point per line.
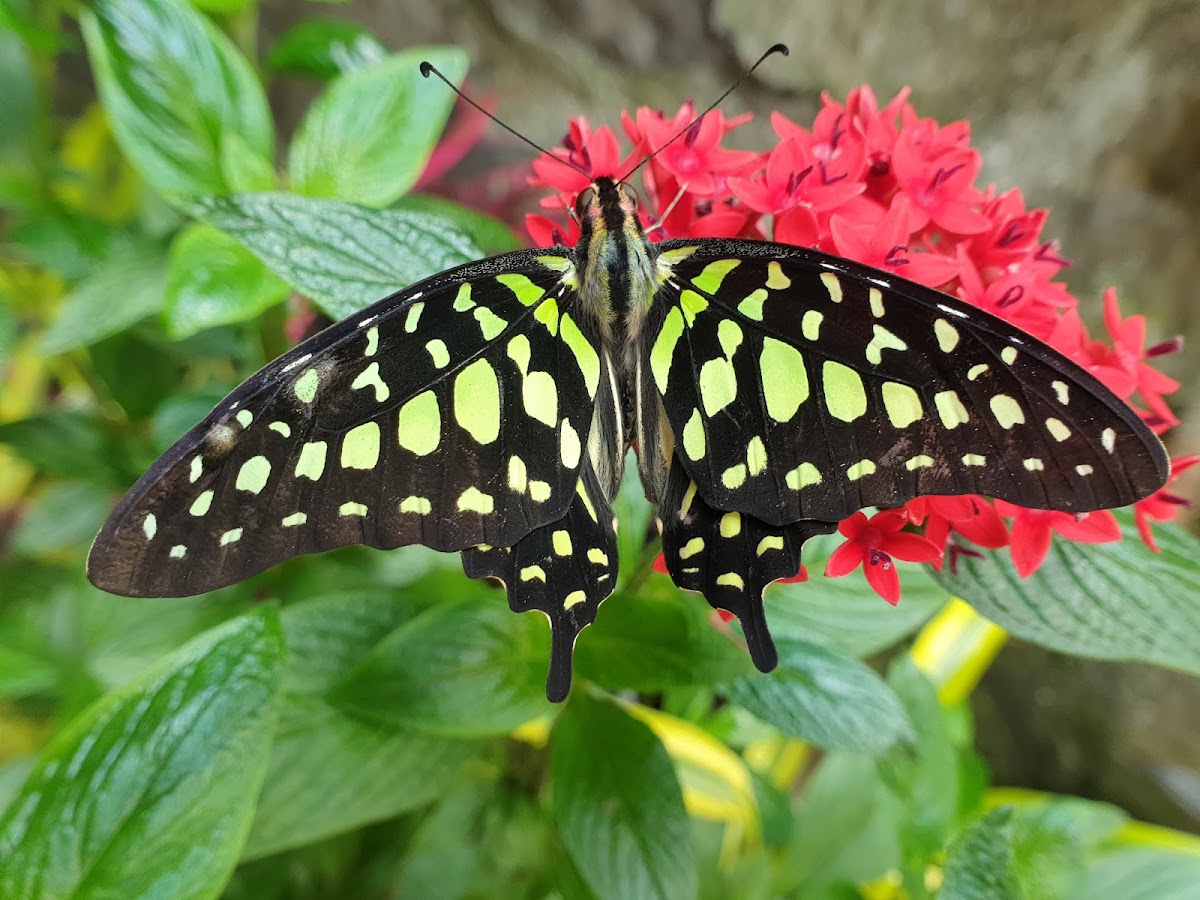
x=222, y=7
x=70, y=245
x=173, y=86
x=67, y=444
x=124, y=290
x=845, y=612
x=18, y=100
x=617, y=804
x=486, y=232
x=840, y=801
x=923, y=773
x=244, y=168
x=1020, y=854
x=824, y=697
x=343, y=256
x=465, y=669
x=22, y=673
x=444, y=858
x=149, y=792
x=635, y=547
x=1140, y=873
x=66, y=514
x=213, y=280
x=367, y=138
x=10, y=329
x=142, y=388
x=330, y=772
x=657, y=639
x=1107, y=601
x=324, y=48
x=180, y=412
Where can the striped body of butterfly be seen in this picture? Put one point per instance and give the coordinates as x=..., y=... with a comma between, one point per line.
x=770, y=392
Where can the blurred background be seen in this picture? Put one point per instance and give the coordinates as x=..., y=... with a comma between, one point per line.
x=1092, y=108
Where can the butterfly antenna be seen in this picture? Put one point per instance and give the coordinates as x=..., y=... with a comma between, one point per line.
x=428, y=69
x=776, y=48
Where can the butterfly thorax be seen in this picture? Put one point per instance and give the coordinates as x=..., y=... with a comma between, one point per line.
x=615, y=260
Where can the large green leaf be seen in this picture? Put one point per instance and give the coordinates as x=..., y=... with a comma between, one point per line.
x=657, y=639
x=1140, y=873
x=330, y=772
x=323, y=48
x=841, y=800
x=58, y=442
x=845, y=612
x=490, y=234
x=214, y=280
x=1108, y=601
x=466, y=669
x=149, y=793
x=368, y=137
x=124, y=290
x=618, y=806
x=923, y=773
x=825, y=697
x=66, y=514
x=243, y=168
x=18, y=100
x=343, y=256
x=1023, y=854
x=173, y=86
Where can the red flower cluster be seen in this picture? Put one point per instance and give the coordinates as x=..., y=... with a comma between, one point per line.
x=894, y=191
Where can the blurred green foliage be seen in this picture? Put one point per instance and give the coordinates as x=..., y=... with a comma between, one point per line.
x=374, y=725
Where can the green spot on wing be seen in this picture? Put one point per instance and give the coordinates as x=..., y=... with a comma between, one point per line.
x=585, y=353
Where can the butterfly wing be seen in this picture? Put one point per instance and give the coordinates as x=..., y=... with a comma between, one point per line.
x=791, y=388
x=803, y=386
x=730, y=557
x=451, y=414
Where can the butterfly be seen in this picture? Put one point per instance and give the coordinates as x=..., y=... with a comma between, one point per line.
x=770, y=391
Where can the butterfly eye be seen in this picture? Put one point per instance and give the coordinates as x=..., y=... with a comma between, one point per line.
x=585, y=199
x=630, y=196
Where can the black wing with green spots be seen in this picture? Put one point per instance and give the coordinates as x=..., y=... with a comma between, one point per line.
x=803, y=386
x=772, y=391
x=451, y=414
x=800, y=387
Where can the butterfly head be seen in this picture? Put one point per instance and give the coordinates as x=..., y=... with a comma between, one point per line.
x=607, y=206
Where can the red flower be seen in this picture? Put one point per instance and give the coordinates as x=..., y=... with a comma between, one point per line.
x=884, y=245
x=595, y=153
x=696, y=159
x=889, y=189
x=1122, y=366
x=546, y=232
x=1162, y=505
x=797, y=186
x=1032, y=530
x=972, y=517
x=872, y=544
x=1130, y=353
x=940, y=184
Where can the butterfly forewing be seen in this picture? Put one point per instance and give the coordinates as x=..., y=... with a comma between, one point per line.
x=451, y=414
x=802, y=386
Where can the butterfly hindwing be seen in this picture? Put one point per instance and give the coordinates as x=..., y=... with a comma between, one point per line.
x=565, y=569
x=453, y=413
x=802, y=386
x=730, y=557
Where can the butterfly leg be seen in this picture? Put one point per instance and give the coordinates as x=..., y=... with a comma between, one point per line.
x=565, y=569
x=730, y=557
